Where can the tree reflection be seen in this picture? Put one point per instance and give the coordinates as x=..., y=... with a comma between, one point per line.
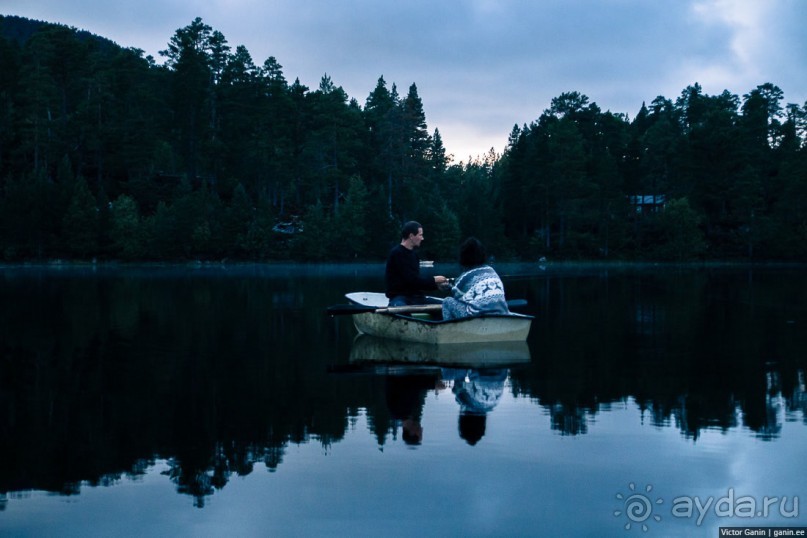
x=102, y=376
x=697, y=349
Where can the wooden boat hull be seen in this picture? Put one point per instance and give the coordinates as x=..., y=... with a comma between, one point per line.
x=496, y=328
x=410, y=328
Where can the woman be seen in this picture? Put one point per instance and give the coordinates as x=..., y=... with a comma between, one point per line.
x=478, y=290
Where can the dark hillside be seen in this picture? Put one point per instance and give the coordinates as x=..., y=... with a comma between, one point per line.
x=19, y=30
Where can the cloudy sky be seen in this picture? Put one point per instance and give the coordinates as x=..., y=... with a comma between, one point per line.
x=482, y=66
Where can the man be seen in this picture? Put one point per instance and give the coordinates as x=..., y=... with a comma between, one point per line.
x=405, y=286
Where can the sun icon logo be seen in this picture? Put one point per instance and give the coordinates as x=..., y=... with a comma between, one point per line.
x=638, y=507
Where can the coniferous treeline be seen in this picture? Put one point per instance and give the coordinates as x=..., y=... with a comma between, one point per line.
x=106, y=154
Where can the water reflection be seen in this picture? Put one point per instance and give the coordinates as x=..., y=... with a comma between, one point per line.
x=103, y=374
x=696, y=349
x=474, y=373
x=405, y=395
x=369, y=349
x=477, y=391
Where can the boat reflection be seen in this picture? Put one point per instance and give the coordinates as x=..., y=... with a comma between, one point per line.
x=368, y=350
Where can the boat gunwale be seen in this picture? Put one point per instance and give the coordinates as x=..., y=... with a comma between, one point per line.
x=408, y=317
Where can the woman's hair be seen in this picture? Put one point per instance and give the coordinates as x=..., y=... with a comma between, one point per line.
x=472, y=253
x=410, y=228
x=472, y=427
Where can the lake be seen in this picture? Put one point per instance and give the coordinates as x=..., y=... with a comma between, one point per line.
x=216, y=400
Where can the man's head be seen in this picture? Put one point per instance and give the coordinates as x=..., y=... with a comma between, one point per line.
x=411, y=234
x=411, y=432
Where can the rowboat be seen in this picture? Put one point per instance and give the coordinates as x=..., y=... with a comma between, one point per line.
x=424, y=323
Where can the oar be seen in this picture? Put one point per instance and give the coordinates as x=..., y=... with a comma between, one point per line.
x=350, y=309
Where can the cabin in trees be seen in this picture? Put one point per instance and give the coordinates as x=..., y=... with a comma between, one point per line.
x=648, y=203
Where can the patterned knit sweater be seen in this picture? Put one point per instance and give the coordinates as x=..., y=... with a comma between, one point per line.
x=476, y=291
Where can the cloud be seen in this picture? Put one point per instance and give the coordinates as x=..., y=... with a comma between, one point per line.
x=761, y=44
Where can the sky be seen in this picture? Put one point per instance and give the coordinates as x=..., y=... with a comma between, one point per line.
x=483, y=66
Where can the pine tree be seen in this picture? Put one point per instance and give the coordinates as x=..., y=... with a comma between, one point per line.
x=126, y=231
x=80, y=223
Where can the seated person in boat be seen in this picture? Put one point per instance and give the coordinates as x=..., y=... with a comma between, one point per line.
x=478, y=290
x=405, y=285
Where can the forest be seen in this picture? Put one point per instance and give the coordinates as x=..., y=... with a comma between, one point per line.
x=106, y=154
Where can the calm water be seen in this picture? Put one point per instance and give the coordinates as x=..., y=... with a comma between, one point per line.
x=221, y=401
